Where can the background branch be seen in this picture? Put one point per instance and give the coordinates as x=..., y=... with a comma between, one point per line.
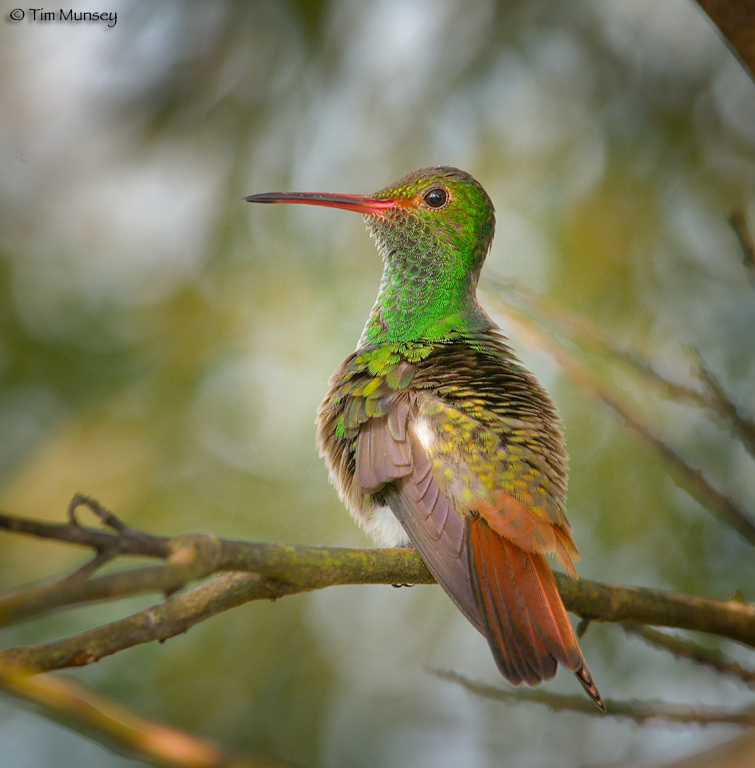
x=717, y=502
x=81, y=707
x=639, y=711
x=686, y=649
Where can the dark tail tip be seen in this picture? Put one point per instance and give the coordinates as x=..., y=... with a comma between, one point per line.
x=584, y=677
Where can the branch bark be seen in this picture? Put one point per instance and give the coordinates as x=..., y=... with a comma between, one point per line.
x=243, y=571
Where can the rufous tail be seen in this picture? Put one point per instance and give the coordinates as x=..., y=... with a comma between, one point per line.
x=522, y=614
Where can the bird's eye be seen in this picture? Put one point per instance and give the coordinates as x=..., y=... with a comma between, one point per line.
x=436, y=198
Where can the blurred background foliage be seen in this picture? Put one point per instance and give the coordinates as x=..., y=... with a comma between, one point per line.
x=164, y=346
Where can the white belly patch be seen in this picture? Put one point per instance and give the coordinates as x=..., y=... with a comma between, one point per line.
x=384, y=529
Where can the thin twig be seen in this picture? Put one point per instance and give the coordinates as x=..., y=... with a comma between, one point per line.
x=579, y=330
x=129, y=542
x=639, y=711
x=108, y=519
x=724, y=507
x=744, y=426
x=717, y=502
x=746, y=243
x=687, y=649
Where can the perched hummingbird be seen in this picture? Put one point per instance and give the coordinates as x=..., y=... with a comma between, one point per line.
x=436, y=436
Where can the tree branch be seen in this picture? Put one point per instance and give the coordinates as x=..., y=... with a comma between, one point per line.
x=253, y=571
x=746, y=244
x=686, y=649
x=595, y=601
x=158, y=743
x=639, y=711
x=725, y=405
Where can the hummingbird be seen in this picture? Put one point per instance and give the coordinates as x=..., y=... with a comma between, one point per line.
x=436, y=436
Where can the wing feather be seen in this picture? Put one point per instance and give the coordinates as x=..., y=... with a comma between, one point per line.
x=402, y=471
x=390, y=461
x=379, y=457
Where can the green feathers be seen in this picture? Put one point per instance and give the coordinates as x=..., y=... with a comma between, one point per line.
x=433, y=244
x=370, y=380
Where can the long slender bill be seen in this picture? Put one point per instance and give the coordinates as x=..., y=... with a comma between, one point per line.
x=358, y=203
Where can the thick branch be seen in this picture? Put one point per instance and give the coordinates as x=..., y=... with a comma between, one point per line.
x=612, y=603
x=192, y=557
x=160, y=622
x=273, y=571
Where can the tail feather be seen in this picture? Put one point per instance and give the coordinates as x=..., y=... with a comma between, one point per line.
x=517, y=647
x=543, y=603
x=523, y=616
x=585, y=678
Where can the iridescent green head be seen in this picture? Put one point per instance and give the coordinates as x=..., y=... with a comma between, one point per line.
x=433, y=241
x=433, y=229
x=443, y=210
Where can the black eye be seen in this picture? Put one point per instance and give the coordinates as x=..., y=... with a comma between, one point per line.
x=436, y=198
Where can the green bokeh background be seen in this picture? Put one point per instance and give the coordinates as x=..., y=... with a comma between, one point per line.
x=164, y=346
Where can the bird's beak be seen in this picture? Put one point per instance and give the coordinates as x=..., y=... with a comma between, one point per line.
x=358, y=203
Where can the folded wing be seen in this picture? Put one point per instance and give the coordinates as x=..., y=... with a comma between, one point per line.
x=490, y=560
